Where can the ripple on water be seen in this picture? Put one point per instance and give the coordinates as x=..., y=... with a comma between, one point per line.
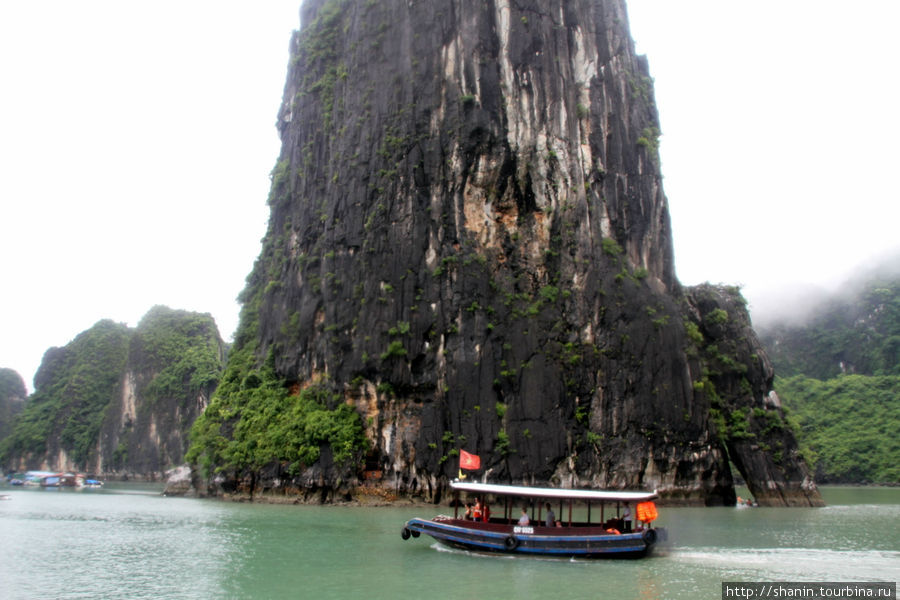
x=790, y=564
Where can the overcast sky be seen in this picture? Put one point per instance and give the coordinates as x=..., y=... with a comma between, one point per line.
x=136, y=141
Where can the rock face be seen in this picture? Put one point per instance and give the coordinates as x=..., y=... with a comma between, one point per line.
x=745, y=412
x=175, y=359
x=119, y=402
x=12, y=399
x=470, y=242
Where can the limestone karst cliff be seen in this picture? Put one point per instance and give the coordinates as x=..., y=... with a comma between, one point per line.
x=119, y=402
x=12, y=399
x=470, y=245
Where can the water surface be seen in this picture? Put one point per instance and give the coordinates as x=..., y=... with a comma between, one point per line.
x=128, y=541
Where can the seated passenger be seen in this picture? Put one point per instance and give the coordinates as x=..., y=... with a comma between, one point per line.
x=524, y=520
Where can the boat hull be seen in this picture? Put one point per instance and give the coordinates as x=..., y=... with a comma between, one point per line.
x=564, y=542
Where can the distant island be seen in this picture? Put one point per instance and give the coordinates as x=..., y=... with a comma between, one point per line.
x=839, y=376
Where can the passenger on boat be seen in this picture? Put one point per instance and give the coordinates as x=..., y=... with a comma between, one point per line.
x=551, y=518
x=524, y=520
x=468, y=516
x=626, y=518
x=478, y=511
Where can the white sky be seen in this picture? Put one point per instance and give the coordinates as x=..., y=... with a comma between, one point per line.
x=136, y=141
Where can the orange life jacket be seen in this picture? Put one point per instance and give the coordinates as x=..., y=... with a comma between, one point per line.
x=646, y=512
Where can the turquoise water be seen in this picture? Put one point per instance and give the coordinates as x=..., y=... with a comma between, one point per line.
x=130, y=542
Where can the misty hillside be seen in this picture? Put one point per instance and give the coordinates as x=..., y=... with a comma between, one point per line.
x=856, y=332
x=839, y=375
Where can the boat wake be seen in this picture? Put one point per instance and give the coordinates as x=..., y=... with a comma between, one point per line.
x=794, y=563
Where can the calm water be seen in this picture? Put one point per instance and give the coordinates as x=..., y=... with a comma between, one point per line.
x=130, y=542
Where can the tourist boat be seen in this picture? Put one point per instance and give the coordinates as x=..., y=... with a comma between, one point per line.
x=63, y=480
x=609, y=536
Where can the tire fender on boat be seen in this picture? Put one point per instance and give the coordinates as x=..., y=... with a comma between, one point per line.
x=405, y=533
x=511, y=542
x=649, y=537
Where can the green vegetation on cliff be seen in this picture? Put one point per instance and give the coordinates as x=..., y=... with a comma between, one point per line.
x=182, y=349
x=839, y=375
x=857, y=333
x=846, y=426
x=173, y=358
x=257, y=420
x=74, y=386
x=12, y=397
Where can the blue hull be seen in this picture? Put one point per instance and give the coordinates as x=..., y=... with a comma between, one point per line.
x=578, y=542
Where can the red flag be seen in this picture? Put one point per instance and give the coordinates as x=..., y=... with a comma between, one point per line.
x=469, y=462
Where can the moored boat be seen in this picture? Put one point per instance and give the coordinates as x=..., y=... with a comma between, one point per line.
x=563, y=535
x=63, y=480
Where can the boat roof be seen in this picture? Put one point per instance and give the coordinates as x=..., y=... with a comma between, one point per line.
x=536, y=492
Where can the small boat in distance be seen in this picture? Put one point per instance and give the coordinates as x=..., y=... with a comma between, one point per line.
x=63, y=480
x=534, y=534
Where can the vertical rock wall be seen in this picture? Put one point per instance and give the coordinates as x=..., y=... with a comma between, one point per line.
x=469, y=239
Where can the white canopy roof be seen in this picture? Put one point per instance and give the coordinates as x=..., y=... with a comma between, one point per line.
x=533, y=492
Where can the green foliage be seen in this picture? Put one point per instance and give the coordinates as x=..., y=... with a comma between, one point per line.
x=254, y=421
x=549, y=293
x=501, y=444
x=75, y=384
x=737, y=425
x=395, y=348
x=717, y=316
x=611, y=247
x=181, y=348
x=11, y=384
x=402, y=328
x=318, y=57
x=844, y=423
x=12, y=396
x=650, y=140
x=859, y=333
x=583, y=414
x=693, y=332
x=500, y=408
x=846, y=426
